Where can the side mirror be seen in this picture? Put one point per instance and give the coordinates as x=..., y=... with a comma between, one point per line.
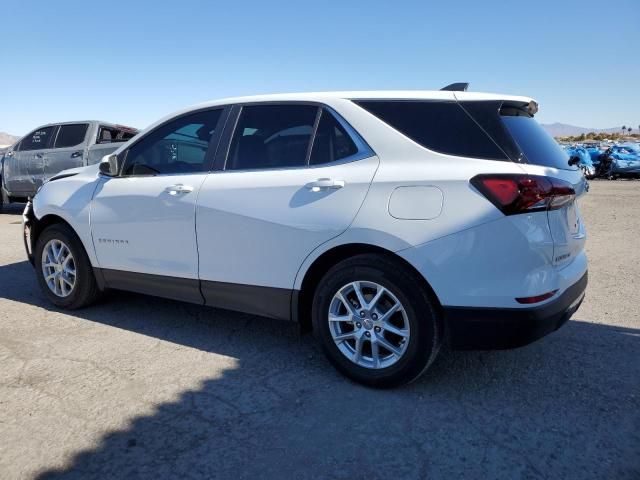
x=575, y=160
x=109, y=165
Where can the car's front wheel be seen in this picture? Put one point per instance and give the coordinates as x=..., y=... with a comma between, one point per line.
x=63, y=269
x=375, y=321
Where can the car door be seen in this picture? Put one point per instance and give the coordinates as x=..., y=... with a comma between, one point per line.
x=68, y=149
x=294, y=177
x=143, y=221
x=25, y=167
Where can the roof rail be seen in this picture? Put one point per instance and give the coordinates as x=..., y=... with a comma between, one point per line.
x=456, y=87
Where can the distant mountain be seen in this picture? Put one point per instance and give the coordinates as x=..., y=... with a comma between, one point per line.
x=564, y=130
x=6, y=139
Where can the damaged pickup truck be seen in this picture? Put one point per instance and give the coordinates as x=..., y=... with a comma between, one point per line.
x=49, y=149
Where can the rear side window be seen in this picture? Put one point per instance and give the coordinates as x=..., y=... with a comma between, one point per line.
x=331, y=142
x=179, y=146
x=107, y=134
x=440, y=126
x=538, y=147
x=272, y=136
x=37, y=140
x=71, y=135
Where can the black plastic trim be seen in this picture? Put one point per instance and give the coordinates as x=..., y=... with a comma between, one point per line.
x=28, y=225
x=473, y=328
x=220, y=161
x=256, y=300
x=175, y=288
x=252, y=299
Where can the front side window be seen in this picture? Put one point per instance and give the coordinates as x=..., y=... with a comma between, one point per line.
x=179, y=146
x=71, y=135
x=331, y=141
x=272, y=136
x=37, y=140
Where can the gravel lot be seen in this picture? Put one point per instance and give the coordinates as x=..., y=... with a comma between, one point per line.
x=139, y=387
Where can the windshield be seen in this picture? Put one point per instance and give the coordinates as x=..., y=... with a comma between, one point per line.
x=538, y=146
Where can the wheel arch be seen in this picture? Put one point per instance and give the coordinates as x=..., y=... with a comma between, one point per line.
x=303, y=298
x=38, y=225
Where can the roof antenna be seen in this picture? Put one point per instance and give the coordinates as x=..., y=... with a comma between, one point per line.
x=456, y=87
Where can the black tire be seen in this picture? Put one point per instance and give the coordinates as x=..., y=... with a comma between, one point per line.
x=85, y=290
x=425, y=327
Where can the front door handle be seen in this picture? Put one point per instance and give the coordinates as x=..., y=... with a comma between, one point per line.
x=178, y=189
x=324, y=184
x=39, y=155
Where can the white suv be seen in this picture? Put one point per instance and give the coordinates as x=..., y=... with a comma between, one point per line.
x=388, y=222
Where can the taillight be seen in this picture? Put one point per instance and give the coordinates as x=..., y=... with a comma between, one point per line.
x=519, y=193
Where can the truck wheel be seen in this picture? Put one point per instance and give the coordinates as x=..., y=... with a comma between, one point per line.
x=375, y=322
x=63, y=269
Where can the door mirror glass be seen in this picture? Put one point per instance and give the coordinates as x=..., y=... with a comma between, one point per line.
x=109, y=165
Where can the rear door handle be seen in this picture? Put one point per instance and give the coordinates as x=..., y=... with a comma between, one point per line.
x=178, y=189
x=324, y=184
x=76, y=154
x=39, y=155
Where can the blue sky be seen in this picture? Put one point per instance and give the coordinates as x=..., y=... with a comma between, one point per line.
x=133, y=62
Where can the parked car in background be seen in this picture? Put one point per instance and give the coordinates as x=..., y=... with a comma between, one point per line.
x=388, y=222
x=49, y=149
x=622, y=161
x=581, y=157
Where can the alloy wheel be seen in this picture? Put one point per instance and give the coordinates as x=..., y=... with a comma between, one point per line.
x=368, y=324
x=58, y=268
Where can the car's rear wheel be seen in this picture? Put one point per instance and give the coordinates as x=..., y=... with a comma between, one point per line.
x=63, y=269
x=375, y=321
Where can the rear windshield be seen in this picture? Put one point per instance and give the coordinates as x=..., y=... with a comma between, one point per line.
x=538, y=147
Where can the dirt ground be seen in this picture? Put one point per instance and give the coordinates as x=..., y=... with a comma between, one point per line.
x=139, y=387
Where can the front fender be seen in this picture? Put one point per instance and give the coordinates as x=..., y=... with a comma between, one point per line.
x=67, y=198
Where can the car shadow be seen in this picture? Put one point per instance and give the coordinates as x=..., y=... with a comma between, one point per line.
x=564, y=407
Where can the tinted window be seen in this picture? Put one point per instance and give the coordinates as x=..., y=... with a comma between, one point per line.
x=538, y=146
x=37, y=140
x=272, y=136
x=71, y=135
x=113, y=134
x=179, y=146
x=440, y=126
x=331, y=142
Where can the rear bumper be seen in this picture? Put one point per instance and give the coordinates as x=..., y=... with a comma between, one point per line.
x=503, y=328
